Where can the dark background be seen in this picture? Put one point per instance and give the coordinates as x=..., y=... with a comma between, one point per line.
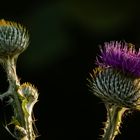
x=64, y=41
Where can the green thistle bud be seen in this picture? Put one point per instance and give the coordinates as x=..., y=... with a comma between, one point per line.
x=28, y=91
x=14, y=39
x=29, y=96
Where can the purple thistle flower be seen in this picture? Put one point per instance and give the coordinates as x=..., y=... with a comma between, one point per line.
x=117, y=77
x=116, y=81
x=122, y=56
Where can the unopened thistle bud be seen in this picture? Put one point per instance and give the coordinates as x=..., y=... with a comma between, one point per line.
x=28, y=91
x=116, y=81
x=14, y=39
x=29, y=96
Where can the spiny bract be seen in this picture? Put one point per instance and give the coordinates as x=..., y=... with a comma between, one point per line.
x=14, y=38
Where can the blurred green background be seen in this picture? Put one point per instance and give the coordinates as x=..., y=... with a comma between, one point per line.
x=64, y=41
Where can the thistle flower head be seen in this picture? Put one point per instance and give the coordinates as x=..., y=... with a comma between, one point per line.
x=122, y=56
x=116, y=80
x=14, y=38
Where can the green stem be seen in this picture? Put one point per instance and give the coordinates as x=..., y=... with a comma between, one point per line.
x=114, y=118
x=10, y=68
x=13, y=84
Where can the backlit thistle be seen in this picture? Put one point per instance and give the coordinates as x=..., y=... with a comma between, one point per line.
x=14, y=39
x=116, y=81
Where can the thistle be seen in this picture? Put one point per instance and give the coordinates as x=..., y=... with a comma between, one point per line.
x=14, y=39
x=116, y=81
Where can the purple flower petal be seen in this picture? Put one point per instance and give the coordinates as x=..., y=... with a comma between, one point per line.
x=122, y=56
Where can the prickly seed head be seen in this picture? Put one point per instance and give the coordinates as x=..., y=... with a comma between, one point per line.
x=14, y=38
x=116, y=79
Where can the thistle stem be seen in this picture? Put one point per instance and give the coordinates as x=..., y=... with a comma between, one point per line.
x=13, y=84
x=10, y=68
x=114, y=118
